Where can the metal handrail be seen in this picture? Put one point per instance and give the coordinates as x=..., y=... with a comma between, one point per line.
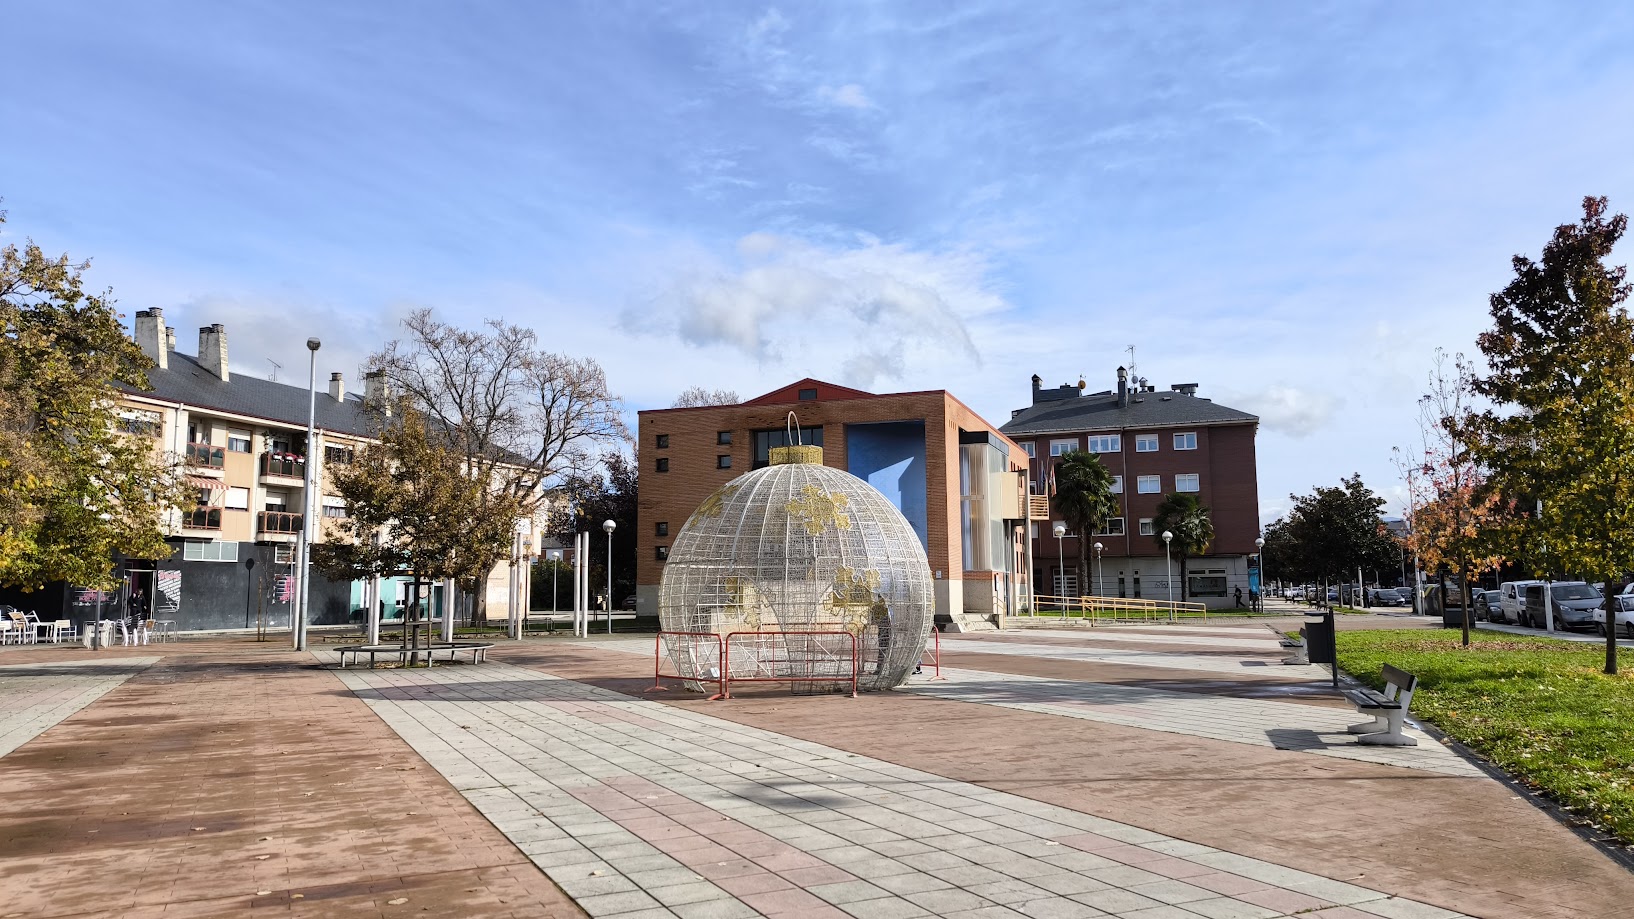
x=202, y=518
x=206, y=455
x=278, y=522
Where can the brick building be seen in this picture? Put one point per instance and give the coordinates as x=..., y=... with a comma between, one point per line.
x=1154, y=443
x=955, y=477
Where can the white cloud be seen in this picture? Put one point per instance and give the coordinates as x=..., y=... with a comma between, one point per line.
x=1287, y=410
x=260, y=331
x=848, y=96
x=865, y=313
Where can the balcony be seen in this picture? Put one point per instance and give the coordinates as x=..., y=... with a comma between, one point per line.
x=285, y=469
x=206, y=460
x=201, y=521
x=277, y=526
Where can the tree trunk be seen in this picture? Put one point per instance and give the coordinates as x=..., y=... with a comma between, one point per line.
x=1463, y=571
x=1611, y=626
x=1182, y=577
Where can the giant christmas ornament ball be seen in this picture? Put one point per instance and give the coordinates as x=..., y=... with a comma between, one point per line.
x=798, y=547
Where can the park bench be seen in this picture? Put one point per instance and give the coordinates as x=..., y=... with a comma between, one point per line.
x=1388, y=708
x=478, y=651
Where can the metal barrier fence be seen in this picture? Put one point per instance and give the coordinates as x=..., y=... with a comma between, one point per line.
x=694, y=641
x=935, y=655
x=1116, y=609
x=771, y=657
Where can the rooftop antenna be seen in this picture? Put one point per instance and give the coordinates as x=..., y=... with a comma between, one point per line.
x=275, y=368
x=1131, y=350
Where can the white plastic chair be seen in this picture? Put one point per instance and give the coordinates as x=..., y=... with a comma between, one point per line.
x=63, y=630
x=40, y=628
x=8, y=632
x=26, y=633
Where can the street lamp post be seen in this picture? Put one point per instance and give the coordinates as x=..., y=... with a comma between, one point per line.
x=1259, y=595
x=555, y=556
x=1060, y=531
x=1168, y=568
x=1100, y=582
x=298, y=626
x=608, y=526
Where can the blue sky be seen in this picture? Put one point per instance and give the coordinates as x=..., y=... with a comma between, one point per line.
x=1290, y=204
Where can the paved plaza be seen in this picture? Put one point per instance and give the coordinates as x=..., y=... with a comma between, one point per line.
x=1155, y=772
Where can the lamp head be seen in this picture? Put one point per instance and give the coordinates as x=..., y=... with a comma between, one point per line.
x=1167, y=536
x=1098, y=547
x=608, y=526
x=1259, y=543
x=312, y=344
x=1060, y=530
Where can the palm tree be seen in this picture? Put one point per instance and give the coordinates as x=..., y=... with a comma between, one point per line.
x=1083, y=496
x=1187, y=520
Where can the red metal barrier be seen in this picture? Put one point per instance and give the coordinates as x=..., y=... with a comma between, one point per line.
x=726, y=656
x=936, y=655
x=658, y=662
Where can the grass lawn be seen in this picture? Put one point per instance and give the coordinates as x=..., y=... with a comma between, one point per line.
x=1539, y=708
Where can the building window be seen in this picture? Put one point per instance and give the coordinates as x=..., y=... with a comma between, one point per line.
x=1106, y=443
x=238, y=441
x=1034, y=532
x=1146, y=526
x=140, y=422
x=337, y=456
x=724, y=438
x=1032, y=451
x=661, y=553
x=210, y=551
x=663, y=441
x=1186, y=482
x=334, y=507
x=1210, y=582
x=276, y=501
x=724, y=461
x=1149, y=484
x=808, y=395
x=238, y=499
x=1146, y=443
x=663, y=464
x=1066, y=533
x=661, y=528
x=1187, y=441
x=1058, y=447
x=1112, y=527
x=283, y=555
x=1117, y=484
x=779, y=437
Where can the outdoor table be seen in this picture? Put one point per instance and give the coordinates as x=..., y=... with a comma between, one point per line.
x=164, y=627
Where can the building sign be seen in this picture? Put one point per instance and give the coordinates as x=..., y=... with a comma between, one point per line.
x=283, y=589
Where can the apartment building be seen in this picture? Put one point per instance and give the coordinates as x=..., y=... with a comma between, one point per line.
x=955, y=477
x=1154, y=444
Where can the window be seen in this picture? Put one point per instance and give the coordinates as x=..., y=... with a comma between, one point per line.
x=1149, y=484
x=724, y=438
x=1185, y=482
x=276, y=500
x=238, y=441
x=1034, y=532
x=661, y=553
x=1117, y=484
x=661, y=528
x=663, y=464
x=724, y=461
x=210, y=551
x=1112, y=527
x=1067, y=532
x=140, y=422
x=1058, y=447
x=1210, y=582
x=1146, y=526
x=808, y=395
x=1106, y=443
x=663, y=441
x=238, y=499
x=1031, y=450
x=334, y=507
x=1187, y=441
x=283, y=555
x=1146, y=443
x=338, y=456
x=779, y=437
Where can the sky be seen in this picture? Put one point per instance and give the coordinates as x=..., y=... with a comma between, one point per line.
x=1291, y=204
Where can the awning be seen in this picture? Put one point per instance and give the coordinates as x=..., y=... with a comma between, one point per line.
x=199, y=481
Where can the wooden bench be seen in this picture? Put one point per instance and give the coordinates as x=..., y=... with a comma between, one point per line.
x=478, y=650
x=1388, y=708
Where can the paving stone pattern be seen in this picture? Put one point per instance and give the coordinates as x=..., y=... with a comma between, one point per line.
x=37, y=696
x=646, y=811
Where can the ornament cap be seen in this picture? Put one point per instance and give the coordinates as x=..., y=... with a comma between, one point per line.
x=793, y=455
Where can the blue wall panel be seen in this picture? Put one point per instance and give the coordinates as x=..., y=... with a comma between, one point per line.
x=891, y=457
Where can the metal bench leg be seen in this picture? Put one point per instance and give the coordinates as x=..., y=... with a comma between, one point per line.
x=1393, y=737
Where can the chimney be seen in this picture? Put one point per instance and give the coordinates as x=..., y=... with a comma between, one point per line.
x=170, y=339
x=150, y=336
x=337, y=387
x=1123, y=388
x=1185, y=389
x=213, y=350
x=375, y=391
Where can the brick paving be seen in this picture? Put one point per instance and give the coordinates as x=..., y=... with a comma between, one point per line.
x=645, y=810
x=37, y=696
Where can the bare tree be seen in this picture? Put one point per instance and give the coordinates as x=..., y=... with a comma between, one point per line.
x=697, y=396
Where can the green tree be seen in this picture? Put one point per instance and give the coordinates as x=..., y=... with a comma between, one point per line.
x=1184, y=518
x=75, y=490
x=607, y=493
x=1083, y=496
x=1335, y=530
x=1561, y=426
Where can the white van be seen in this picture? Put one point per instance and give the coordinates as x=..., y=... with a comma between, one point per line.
x=1512, y=603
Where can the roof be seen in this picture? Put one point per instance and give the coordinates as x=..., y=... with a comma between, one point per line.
x=825, y=392
x=1101, y=412
x=188, y=382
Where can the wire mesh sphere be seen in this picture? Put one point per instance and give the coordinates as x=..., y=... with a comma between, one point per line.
x=789, y=550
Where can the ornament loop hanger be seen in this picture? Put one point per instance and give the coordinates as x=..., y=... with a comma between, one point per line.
x=792, y=435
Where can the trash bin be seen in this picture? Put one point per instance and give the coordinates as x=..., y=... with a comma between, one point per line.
x=1320, y=647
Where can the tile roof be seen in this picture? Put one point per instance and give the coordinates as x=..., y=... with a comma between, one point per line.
x=188, y=382
x=1100, y=412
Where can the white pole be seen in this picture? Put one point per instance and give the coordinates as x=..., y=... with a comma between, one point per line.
x=1168, y=570
x=374, y=610
x=584, y=584
x=299, y=615
x=511, y=587
x=578, y=586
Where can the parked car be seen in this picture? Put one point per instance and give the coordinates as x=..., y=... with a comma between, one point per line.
x=1574, y=603
x=1487, y=605
x=1625, y=615
x=1512, y=601
x=629, y=602
x=1386, y=596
